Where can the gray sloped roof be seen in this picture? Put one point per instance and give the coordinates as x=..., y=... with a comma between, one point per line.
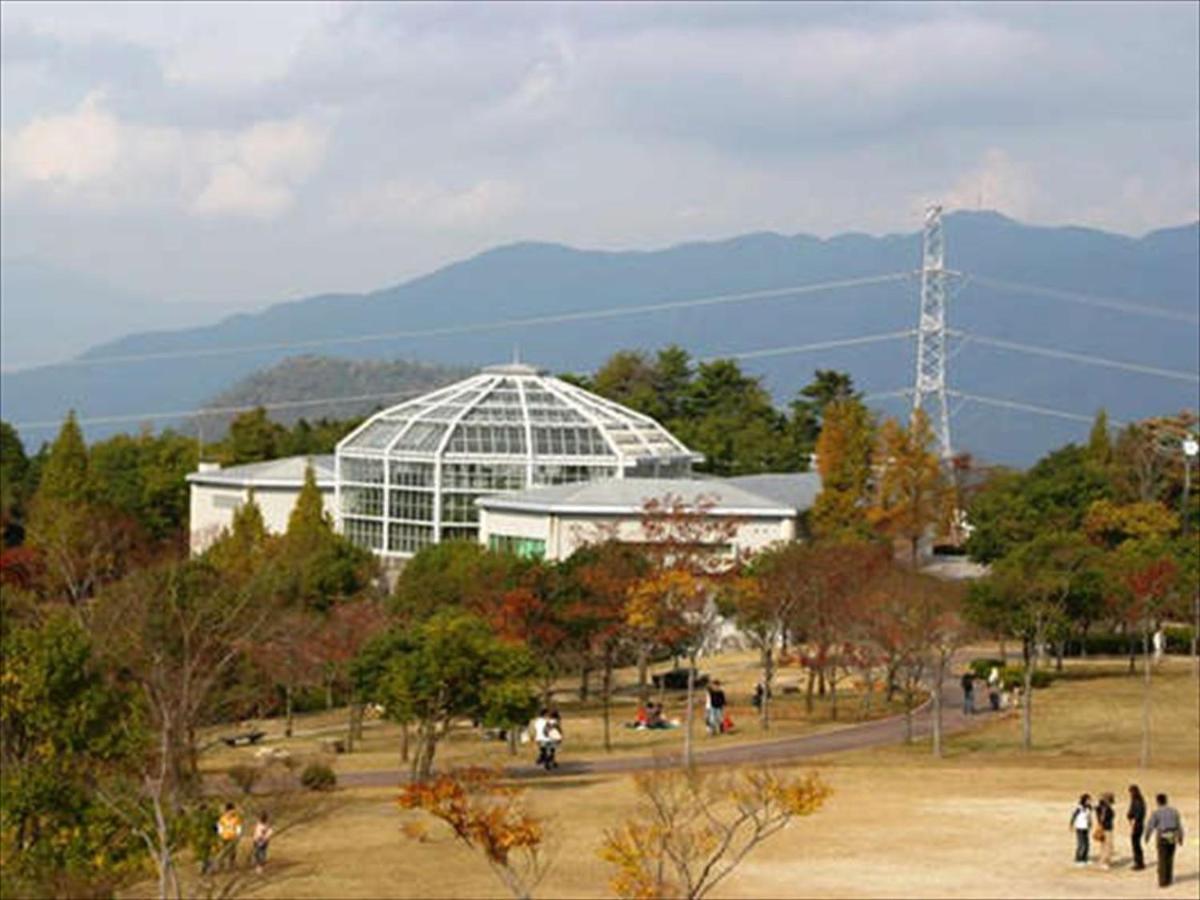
x=623, y=496
x=795, y=489
x=285, y=472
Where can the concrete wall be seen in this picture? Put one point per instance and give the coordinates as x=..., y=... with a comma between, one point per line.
x=212, y=508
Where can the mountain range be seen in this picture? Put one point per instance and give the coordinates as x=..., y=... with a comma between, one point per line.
x=1080, y=287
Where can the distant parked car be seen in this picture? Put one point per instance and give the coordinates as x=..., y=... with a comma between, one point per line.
x=676, y=680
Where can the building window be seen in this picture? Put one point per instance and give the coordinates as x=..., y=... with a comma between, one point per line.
x=366, y=471
x=416, y=505
x=460, y=534
x=526, y=548
x=488, y=476
x=405, y=538
x=412, y=474
x=364, y=533
x=459, y=508
x=362, y=501
x=570, y=474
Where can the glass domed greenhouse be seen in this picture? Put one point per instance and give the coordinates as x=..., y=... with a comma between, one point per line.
x=409, y=476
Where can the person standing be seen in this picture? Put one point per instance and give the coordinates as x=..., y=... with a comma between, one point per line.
x=1081, y=823
x=1136, y=816
x=968, y=689
x=1105, y=821
x=993, y=681
x=229, y=831
x=1167, y=823
x=714, y=709
x=263, y=832
x=540, y=726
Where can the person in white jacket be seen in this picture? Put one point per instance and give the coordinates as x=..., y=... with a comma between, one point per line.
x=1081, y=823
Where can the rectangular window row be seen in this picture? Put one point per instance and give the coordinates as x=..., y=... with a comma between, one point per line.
x=364, y=533
x=569, y=442
x=460, y=534
x=501, y=439
x=362, y=501
x=460, y=508
x=368, y=471
x=489, y=476
x=404, y=538
x=412, y=474
x=410, y=505
x=526, y=548
x=571, y=474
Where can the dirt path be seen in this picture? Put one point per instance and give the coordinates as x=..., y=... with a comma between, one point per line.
x=852, y=737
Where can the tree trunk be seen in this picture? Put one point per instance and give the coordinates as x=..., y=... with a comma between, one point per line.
x=908, y=715
x=939, y=676
x=821, y=682
x=808, y=694
x=585, y=672
x=833, y=694
x=1132, y=655
x=328, y=693
x=512, y=740
x=642, y=665
x=1144, y=756
x=404, y=742
x=1003, y=652
x=691, y=692
x=606, y=701
x=1027, y=708
x=1058, y=656
x=287, y=710
x=768, y=674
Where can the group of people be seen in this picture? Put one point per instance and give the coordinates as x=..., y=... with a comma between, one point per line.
x=651, y=716
x=228, y=828
x=996, y=698
x=1097, y=823
x=548, y=735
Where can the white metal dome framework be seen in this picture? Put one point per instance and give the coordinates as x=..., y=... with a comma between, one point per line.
x=409, y=476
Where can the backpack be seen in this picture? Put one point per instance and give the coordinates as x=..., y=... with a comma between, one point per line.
x=229, y=827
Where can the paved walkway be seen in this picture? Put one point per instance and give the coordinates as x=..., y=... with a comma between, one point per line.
x=853, y=737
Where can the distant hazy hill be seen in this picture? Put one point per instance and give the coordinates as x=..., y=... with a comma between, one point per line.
x=49, y=314
x=312, y=377
x=1161, y=269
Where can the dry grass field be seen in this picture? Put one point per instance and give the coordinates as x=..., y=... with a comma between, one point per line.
x=987, y=821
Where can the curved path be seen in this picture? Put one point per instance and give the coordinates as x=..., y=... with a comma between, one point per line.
x=853, y=737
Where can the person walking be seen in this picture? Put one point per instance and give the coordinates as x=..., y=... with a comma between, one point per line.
x=968, y=689
x=263, y=832
x=993, y=681
x=229, y=831
x=540, y=728
x=1105, y=822
x=554, y=736
x=1166, y=822
x=1081, y=823
x=714, y=709
x=1136, y=817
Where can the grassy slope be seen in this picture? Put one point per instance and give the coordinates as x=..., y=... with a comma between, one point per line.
x=987, y=821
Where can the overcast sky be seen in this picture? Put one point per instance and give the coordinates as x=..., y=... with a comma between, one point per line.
x=250, y=153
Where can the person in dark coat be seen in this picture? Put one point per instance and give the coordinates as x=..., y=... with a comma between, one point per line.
x=968, y=689
x=1136, y=817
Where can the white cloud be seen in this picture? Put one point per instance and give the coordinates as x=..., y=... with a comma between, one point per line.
x=88, y=158
x=70, y=149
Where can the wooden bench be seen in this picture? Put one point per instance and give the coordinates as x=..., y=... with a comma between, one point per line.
x=246, y=738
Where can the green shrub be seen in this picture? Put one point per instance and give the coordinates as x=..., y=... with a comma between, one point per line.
x=1178, y=641
x=1013, y=677
x=318, y=777
x=983, y=667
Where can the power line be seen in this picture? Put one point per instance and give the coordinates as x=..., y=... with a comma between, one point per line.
x=293, y=404
x=1028, y=407
x=806, y=348
x=1087, y=299
x=216, y=410
x=611, y=312
x=1086, y=358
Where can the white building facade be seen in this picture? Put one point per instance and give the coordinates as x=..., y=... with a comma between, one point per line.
x=411, y=476
x=216, y=494
x=553, y=522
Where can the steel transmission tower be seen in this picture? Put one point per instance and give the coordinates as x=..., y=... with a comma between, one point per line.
x=930, y=391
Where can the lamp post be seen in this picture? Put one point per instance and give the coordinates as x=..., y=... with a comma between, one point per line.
x=1191, y=447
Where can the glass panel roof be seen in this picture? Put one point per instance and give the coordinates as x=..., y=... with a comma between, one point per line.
x=489, y=414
